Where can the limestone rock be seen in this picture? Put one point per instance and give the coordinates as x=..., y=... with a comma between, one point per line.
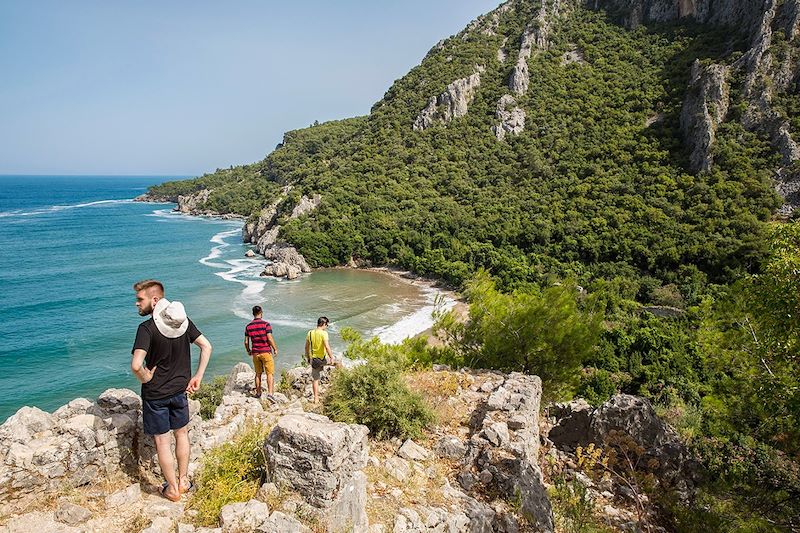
x=306, y=205
x=286, y=261
x=452, y=103
x=243, y=516
x=241, y=379
x=450, y=448
x=572, y=426
x=397, y=468
x=704, y=108
x=72, y=514
x=512, y=118
x=127, y=496
x=322, y=460
x=249, y=253
x=412, y=451
x=119, y=400
x=279, y=522
x=634, y=416
x=191, y=203
x=160, y=524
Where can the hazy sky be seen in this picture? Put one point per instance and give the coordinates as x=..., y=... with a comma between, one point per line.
x=183, y=87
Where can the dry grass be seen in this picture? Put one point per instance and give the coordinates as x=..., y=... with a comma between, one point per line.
x=90, y=496
x=422, y=488
x=440, y=390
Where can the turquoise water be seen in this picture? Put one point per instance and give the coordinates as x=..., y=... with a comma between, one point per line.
x=70, y=249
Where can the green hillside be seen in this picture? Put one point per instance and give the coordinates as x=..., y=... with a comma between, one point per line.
x=588, y=188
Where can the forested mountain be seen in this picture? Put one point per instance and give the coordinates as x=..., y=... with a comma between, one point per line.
x=633, y=141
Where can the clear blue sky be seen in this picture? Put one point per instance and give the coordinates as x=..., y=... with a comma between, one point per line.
x=183, y=87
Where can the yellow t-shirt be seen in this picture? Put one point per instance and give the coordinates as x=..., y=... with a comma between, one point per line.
x=317, y=339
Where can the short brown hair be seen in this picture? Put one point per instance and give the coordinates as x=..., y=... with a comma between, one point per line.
x=257, y=311
x=147, y=284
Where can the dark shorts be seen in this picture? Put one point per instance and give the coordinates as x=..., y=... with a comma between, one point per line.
x=160, y=416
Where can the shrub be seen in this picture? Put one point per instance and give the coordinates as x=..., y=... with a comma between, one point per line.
x=230, y=473
x=409, y=353
x=543, y=332
x=210, y=396
x=374, y=394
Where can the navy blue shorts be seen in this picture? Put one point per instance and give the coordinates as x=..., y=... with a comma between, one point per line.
x=160, y=416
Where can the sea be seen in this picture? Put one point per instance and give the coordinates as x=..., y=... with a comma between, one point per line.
x=71, y=247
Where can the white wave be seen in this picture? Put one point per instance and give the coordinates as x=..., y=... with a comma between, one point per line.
x=416, y=322
x=56, y=208
x=347, y=300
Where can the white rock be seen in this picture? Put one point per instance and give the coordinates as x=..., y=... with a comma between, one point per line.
x=412, y=451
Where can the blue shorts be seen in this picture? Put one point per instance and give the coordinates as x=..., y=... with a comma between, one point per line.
x=160, y=416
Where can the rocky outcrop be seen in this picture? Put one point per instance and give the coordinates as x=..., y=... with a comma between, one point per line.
x=452, y=103
x=84, y=441
x=80, y=442
x=536, y=36
x=323, y=461
x=577, y=424
x=704, y=109
x=503, y=449
x=486, y=24
x=305, y=206
x=634, y=13
x=263, y=231
x=286, y=261
x=511, y=116
x=193, y=203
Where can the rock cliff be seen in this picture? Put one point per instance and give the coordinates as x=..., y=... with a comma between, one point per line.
x=452, y=103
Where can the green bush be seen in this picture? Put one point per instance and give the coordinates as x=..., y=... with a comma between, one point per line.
x=210, y=396
x=230, y=473
x=407, y=354
x=375, y=394
x=542, y=332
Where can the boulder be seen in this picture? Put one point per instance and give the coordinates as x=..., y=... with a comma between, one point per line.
x=119, y=401
x=241, y=379
x=572, y=426
x=71, y=514
x=322, y=460
x=412, y=451
x=128, y=496
x=243, y=516
x=635, y=417
x=450, y=448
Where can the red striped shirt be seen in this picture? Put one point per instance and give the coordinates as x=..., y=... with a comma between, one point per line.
x=257, y=330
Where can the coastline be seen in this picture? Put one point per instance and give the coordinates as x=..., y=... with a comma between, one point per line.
x=416, y=325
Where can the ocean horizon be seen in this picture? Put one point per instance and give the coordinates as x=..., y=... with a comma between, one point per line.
x=72, y=246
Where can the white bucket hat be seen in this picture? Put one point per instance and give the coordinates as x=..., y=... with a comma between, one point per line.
x=170, y=318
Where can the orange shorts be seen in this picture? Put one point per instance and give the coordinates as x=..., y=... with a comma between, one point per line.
x=264, y=363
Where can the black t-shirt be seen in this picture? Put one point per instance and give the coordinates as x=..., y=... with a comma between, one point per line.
x=171, y=356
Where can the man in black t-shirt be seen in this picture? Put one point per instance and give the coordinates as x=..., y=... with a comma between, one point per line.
x=162, y=363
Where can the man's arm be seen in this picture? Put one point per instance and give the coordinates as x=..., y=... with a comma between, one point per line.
x=247, y=345
x=329, y=351
x=308, y=351
x=272, y=344
x=205, y=355
x=142, y=373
